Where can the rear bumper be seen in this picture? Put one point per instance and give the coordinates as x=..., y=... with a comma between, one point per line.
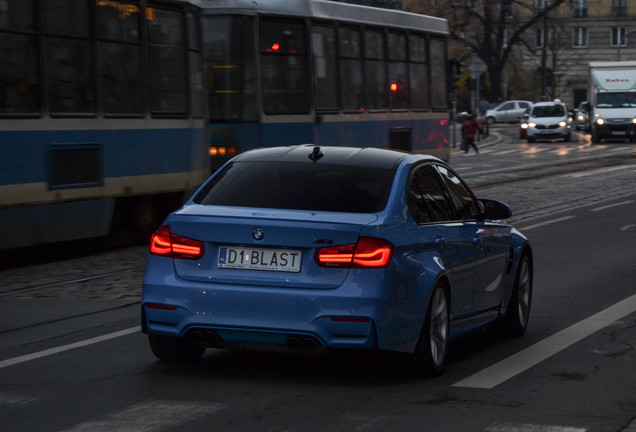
x=358, y=315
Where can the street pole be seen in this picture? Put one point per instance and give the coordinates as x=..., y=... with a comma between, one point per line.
x=544, y=59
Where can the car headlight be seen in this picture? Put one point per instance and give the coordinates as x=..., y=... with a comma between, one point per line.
x=531, y=125
x=581, y=117
x=600, y=121
x=634, y=120
x=563, y=124
x=525, y=125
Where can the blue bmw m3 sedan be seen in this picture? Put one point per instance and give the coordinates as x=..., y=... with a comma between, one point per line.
x=306, y=248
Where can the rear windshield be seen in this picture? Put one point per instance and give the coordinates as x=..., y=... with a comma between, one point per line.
x=300, y=186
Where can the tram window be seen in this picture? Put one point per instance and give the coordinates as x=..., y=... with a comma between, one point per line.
x=118, y=21
x=324, y=52
x=229, y=53
x=284, y=66
x=21, y=90
x=167, y=61
x=67, y=18
x=120, y=65
x=69, y=57
x=351, y=78
x=438, y=70
x=17, y=15
x=70, y=77
x=375, y=75
x=398, y=72
x=120, y=74
x=418, y=68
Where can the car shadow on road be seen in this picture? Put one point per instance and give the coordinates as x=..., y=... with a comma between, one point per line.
x=341, y=367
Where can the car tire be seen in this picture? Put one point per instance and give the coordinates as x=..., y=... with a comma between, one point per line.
x=568, y=138
x=491, y=121
x=174, y=349
x=517, y=314
x=596, y=139
x=431, y=352
x=531, y=139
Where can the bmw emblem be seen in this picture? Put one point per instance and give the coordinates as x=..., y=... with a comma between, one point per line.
x=258, y=234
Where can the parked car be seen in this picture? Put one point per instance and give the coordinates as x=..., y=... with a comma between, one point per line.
x=303, y=249
x=549, y=120
x=509, y=111
x=581, y=117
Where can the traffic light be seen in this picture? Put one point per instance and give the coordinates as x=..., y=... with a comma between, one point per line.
x=455, y=70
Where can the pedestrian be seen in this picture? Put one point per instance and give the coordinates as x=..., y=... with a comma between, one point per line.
x=470, y=129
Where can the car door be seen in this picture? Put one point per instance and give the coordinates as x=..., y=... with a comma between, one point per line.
x=490, y=241
x=440, y=233
x=505, y=111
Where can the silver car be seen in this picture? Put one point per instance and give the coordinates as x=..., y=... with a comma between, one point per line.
x=508, y=112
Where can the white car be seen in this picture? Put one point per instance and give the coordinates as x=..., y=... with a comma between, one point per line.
x=509, y=111
x=548, y=120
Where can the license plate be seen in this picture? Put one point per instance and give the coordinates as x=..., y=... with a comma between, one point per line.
x=282, y=260
x=618, y=133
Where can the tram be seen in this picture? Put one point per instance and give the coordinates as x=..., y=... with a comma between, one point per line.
x=102, y=118
x=112, y=112
x=311, y=71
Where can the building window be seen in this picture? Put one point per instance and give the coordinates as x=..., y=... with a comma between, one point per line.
x=580, y=8
x=580, y=37
x=619, y=8
x=618, y=37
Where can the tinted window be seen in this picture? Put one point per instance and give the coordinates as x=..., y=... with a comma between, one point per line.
x=300, y=186
x=351, y=78
x=167, y=60
x=426, y=197
x=284, y=69
x=324, y=50
x=465, y=205
x=229, y=67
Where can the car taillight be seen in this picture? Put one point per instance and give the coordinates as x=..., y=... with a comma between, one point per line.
x=164, y=243
x=368, y=252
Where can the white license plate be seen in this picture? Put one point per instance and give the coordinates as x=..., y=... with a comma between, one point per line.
x=283, y=260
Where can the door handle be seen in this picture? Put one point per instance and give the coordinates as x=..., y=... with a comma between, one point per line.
x=477, y=242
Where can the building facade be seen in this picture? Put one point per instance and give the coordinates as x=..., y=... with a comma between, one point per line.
x=579, y=32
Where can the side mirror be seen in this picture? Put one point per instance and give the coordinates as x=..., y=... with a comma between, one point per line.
x=495, y=210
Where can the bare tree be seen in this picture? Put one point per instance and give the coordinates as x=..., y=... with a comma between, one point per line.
x=490, y=30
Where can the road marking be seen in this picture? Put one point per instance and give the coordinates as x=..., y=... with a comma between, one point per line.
x=56, y=350
x=150, y=416
x=529, y=357
x=540, y=224
x=612, y=205
x=510, y=427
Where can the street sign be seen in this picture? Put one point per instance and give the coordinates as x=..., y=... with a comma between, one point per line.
x=478, y=66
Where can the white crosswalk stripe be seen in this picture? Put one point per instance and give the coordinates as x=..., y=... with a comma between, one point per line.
x=150, y=416
x=509, y=427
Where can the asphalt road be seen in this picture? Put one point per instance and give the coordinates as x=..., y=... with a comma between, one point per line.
x=72, y=357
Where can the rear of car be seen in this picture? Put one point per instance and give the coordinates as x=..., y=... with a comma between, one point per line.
x=305, y=249
x=276, y=250
x=548, y=120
